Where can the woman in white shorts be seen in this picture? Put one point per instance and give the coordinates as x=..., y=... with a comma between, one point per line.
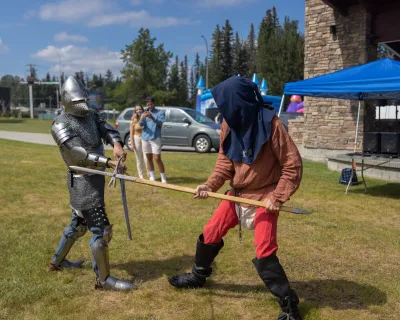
x=136, y=141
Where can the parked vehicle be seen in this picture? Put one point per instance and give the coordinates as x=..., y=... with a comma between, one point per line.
x=183, y=127
x=109, y=114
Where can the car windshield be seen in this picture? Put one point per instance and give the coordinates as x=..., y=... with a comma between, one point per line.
x=199, y=117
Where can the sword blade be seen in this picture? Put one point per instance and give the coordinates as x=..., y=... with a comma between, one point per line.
x=125, y=204
x=294, y=210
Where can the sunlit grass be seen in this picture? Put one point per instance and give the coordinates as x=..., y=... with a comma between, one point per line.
x=343, y=260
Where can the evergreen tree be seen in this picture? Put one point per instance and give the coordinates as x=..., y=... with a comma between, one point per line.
x=251, y=51
x=215, y=68
x=108, y=78
x=240, y=57
x=197, y=64
x=146, y=68
x=227, y=52
x=192, y=88
x=280, y=52
x=183, y=82
x=174, y=81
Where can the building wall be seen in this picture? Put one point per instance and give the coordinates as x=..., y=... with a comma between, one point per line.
x=329, y=124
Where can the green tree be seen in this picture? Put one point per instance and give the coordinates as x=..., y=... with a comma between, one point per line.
x=183, y=83
x=240, y=57
x=227, y=51
x=174, y=82
x=19, y=91
x=146, y=67
x=192, y=88
x=268, y=60
x=109, y=78
x=280, y=52
x=251, y=51
x=215, y=68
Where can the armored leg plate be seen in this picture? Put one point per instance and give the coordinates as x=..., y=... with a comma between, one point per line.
x=114, y=284
x=66, y=264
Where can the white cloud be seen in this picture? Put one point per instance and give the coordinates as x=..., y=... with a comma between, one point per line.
x=74, y=58
x=73, y=10
x=138, y=19
x=3, y=47
x=65, y=37
x=96, y=13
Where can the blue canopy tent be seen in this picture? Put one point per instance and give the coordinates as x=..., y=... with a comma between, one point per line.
x=375, y=80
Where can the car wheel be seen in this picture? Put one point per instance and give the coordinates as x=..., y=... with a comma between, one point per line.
x=128, y=142
x=202, y=143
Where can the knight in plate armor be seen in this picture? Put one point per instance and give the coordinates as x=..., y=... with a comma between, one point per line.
x=79, y=133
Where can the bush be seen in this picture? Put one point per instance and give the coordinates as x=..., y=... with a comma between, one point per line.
x=11, y=114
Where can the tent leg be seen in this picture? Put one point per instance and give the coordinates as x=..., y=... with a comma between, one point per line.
x=358, y=121
x=281, y=106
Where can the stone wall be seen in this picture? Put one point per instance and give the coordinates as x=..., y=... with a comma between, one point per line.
x=297, y=130
x=330, y=124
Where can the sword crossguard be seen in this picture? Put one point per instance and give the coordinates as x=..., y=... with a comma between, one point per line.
x=113, y=181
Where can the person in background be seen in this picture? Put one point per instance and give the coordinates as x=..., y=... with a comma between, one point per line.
x=152, y=121
x=295, y=104
x=136, y=140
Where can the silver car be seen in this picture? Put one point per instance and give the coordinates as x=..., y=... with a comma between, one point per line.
x=183, y=127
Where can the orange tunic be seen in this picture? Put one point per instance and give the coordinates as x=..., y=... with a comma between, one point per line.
x=276, y=173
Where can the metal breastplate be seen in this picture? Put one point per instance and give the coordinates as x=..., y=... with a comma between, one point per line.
x=86, y=129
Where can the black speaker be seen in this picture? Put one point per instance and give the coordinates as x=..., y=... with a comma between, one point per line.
x=372, y=142
x=390, y=142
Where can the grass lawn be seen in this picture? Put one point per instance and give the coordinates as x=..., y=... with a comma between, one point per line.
x=28, y=125
x=343, y=260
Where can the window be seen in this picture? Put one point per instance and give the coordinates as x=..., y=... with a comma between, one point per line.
x=198, y=116
x=176, y=115
x=128, y=115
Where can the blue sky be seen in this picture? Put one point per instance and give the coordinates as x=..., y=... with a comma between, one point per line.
x=89, y=34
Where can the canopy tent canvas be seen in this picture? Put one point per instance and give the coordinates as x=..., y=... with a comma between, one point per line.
x=375, y=80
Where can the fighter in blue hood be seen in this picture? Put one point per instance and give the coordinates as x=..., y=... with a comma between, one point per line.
x=241, y=105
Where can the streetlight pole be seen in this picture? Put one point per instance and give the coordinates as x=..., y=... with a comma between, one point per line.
x=59, y=85
x=206, y=61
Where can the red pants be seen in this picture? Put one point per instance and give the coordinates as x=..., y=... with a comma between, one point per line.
x=225, y=218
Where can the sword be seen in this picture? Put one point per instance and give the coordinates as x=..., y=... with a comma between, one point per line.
x=188, y=190
x=123, y=194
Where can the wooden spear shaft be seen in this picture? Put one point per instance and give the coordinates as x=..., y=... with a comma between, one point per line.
x=186, y=189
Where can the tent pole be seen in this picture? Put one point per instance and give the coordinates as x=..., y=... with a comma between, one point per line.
x=281, y=106
x=358, y=121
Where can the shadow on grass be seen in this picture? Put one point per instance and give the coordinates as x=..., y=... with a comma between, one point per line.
x=11, y=121
x=148, y=270
x=336, y=294
x=389, y=190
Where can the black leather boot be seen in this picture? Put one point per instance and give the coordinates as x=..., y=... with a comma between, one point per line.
x=205, y=255
x=274, y=277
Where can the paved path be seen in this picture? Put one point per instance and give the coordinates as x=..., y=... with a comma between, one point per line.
x=47, y=139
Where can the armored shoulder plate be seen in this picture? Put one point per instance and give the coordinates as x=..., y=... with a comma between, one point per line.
x=109, y=127
x=110, y=134
x=61, y=132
